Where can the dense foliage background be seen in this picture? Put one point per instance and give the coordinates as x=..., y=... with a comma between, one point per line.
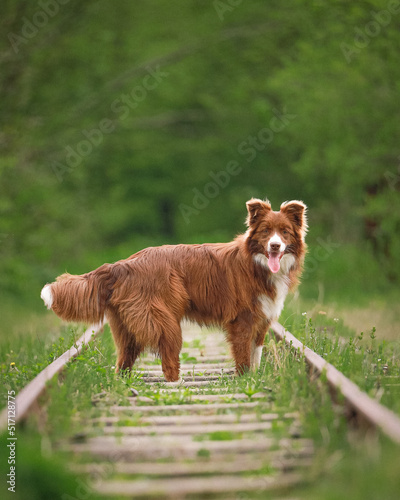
x=128, y=124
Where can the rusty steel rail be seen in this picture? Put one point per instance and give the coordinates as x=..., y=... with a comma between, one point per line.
x=28, y=396
x=370, y=410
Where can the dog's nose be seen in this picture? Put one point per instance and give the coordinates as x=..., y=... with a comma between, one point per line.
x=275, y=247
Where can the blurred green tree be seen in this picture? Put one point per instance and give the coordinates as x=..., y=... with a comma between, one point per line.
x=117, y=115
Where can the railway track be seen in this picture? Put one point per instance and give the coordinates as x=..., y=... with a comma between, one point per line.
x=212, y=442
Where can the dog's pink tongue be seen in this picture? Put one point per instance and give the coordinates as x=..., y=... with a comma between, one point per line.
x=273, y=262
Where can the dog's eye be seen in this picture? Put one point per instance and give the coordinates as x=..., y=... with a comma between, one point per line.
x=266, y=231
x=285, y=232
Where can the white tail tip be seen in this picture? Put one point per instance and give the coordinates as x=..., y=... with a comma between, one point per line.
x=47, y=296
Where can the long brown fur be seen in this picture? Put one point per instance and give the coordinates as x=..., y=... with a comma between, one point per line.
x=146, y=296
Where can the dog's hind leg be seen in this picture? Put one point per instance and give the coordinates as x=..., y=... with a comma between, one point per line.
x=128, y=348
x=169, y=348
x=128, y=354
x=240, y=337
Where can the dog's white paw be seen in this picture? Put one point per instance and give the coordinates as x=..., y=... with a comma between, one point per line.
x=256, y=358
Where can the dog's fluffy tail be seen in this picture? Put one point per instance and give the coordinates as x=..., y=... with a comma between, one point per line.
x=81, y=297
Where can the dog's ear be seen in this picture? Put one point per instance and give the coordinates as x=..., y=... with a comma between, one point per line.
x=255, y=209
x=296, y=211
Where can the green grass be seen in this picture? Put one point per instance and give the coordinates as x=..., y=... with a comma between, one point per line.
x=89, y=384
x=347, y=465
x=374, y=365
x=41, y=474
x=348, y=273
x=22, y=357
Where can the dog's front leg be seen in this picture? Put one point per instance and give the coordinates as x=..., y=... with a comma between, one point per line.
x=257, y=345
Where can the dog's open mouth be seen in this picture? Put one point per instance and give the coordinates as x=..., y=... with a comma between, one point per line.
x=274, y=261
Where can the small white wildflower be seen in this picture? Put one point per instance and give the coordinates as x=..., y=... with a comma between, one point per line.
x=336, y=319
x=304, y=314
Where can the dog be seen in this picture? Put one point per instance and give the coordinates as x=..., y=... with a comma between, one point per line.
x=238, y=286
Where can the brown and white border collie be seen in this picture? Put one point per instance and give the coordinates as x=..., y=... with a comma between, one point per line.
x=239, y=286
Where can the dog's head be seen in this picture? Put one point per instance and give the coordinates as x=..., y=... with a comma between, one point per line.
x=275, y=235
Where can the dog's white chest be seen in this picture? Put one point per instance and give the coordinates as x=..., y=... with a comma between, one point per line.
x=272, y=308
